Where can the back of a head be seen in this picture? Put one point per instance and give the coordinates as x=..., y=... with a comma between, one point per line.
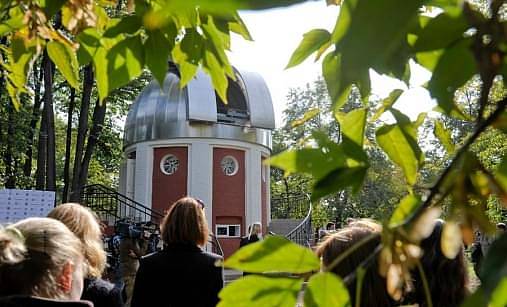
x=185, y=223
x=447, y=278
x=33, y=254
x=373, y=291
x=84, y=224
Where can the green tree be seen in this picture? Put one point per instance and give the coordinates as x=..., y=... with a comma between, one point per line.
x=456, y=42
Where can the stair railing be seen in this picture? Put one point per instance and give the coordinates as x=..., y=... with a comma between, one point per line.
x=214, y=245
x=303, y=234
x=112, y=206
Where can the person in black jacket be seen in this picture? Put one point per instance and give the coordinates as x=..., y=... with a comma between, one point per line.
x=182, y=274
x=254, y=234
x=85, y=225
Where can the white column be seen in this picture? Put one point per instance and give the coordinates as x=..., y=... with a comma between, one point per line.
x=200, y=175
x=143, y=174
x=268, y=193
x=130, y=178
x=122, y=184
x=253, y=187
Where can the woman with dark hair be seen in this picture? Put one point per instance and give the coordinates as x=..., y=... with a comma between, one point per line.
x=373, y=291
x=182, y=274
x=447, y=278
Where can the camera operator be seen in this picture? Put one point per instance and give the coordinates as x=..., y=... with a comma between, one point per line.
x=133, y=246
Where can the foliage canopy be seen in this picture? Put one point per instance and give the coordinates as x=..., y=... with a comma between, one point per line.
x=455, y=40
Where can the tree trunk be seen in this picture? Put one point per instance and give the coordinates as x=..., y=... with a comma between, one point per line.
x=50, y=124
x=27, y=167
x=10, y=171
x=99, y=113
x=40, y=174
x=68, y=145
x=81, y=132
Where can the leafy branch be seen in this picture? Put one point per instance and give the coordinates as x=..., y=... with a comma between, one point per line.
x=436, y=189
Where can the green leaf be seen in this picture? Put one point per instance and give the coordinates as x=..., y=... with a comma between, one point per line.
x=399, y=142
x=66, y=61
x=456, y=112
x=13, y=23
x=125, y=61
x=312, y=42
x=444, y=136
x=387, y=103
x=333, y=166
x=89, y=42
x=310, y=114
x=501, y=122
x=363, y=45
x=125, y=25
x=454, y=68
x=51, y=7
x=188, y=53
x=217, y=42
x=20, y=59
x=429, y=59
x=216, y=71
x=339, y=179
x=352, y=125
x=262, y=291
x=478, y=298
x=157, y=48
x=494, y=266
x=117, y=66
x=326, y=289
x=499, y=295
x=331, y=66
x=444, y=3
x=343, y=21
x=239, y=27
x=274, y=254
x=440, y=32
x=345, y=165
x=501, y=174
x=404, y=210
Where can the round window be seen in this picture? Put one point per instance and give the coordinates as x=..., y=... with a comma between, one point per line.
x=229, y=165
x=169, y=164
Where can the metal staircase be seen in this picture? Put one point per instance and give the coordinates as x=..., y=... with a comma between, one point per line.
x=111, y=206
x=292, y=216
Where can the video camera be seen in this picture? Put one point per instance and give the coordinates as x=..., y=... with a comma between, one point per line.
x=129, y=229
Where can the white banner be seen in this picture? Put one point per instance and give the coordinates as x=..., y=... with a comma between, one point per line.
x=16, y=205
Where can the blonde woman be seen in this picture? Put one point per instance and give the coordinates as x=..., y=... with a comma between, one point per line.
x=254, y=234
x=41, y=264
x=84, y=224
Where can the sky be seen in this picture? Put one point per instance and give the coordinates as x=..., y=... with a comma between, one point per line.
x=276, y=35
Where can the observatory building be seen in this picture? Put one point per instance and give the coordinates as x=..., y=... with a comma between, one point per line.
x=187, y=141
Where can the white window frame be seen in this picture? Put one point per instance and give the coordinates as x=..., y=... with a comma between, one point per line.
x=227, y=235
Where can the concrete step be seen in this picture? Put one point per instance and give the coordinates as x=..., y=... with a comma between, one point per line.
x=283, y=226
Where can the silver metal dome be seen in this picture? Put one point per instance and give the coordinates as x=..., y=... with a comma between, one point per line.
x=191, y=112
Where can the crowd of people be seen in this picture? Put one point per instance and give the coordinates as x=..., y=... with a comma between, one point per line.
x=61, y=260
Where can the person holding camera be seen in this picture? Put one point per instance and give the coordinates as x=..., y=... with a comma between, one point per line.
x=132, y=248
